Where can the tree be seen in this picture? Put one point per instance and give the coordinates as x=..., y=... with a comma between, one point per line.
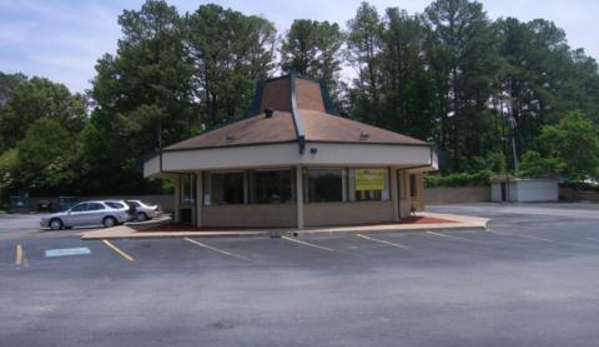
x=230, y=52
x=46, y=158
x=534, y=165
x=461, y=53
x=574, y=141
x=406, y=85
x=40, y=98
x=8, y=82
x=363, y=52
x=312, y=49
x=143, y=98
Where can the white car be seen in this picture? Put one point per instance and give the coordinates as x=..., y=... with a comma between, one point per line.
x=106, y=213
x=144, y=211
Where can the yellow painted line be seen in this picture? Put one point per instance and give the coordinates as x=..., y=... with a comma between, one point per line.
x=307, y=243
x=118, y=251
x=528, y=237
x=197, y=243
x=455, y=237
x=385, y=242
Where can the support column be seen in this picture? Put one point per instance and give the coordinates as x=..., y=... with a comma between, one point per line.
x=199, y=198
x=394, y=193
x=299, y=186
x=177, y=212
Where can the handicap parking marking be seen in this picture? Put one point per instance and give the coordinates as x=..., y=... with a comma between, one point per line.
x=64, y=252
x=384, y=242
x=212, y=248
x=452, y=237
x=305, y=243
x=528, y=237
x=21, y=258
x=118, y=251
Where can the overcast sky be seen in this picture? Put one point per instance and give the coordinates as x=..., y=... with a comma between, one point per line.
x=62, y=39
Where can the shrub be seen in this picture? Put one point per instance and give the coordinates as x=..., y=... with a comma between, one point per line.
x=460, y=179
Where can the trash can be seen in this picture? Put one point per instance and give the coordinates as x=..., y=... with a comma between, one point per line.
x=44, y=206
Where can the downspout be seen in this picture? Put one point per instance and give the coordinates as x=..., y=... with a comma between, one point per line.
x=299, y=130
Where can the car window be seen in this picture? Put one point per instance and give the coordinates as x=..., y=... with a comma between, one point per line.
x=94, y=206
x=79, y=207
x=115, y=204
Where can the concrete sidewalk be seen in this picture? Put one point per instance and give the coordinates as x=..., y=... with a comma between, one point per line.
x=457, y=222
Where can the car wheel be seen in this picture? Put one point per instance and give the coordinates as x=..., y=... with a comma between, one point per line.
x=141, y=216
x=56, y=224
x=109, y=222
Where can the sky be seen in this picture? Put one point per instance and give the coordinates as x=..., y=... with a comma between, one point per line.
x=62, y=39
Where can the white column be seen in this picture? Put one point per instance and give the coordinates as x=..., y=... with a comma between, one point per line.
x=199, y=198
x=394, y=193
x=177, y=212
x=299, y=184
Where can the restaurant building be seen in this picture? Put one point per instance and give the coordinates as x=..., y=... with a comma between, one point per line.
x=291, y=162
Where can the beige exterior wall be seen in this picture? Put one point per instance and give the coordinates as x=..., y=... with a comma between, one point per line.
x=348, y=213
x=252, y=215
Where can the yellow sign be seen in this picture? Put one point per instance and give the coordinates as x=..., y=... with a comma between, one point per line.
x=370, y=179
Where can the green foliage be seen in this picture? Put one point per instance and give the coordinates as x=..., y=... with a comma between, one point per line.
x=575, y=141
x=45, y=160
x=534, y=165
x=461, y=179
x=229, y=52
x=494, y=162
x=312, y=49
x=40, y=98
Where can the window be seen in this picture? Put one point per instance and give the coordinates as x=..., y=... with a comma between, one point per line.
x=187, y=189
x=324, y=185
x=79, y=207
x=271, y=186
x=370, y=184
x=116, y=205
x=413, y=186
x=94, y=206
x=225, y=188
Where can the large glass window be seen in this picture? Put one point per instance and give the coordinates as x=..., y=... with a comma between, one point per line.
x=187, y=189
x=226, y=188
x=370, y=184
x=324, y=185
x=271, y=186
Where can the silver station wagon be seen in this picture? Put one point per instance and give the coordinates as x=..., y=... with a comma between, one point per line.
x=106, y=213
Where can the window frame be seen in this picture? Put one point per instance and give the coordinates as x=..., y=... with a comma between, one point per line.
x=306, y=184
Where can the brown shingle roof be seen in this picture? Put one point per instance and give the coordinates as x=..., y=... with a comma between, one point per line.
x=253, y=130
x=314, y=123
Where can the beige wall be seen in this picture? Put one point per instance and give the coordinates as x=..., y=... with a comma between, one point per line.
x=255, y=215
x=348, y=213
x=437, y=196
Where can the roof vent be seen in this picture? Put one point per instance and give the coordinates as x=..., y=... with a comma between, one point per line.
x=268, y=112
x=230, y=137
x=363, y=136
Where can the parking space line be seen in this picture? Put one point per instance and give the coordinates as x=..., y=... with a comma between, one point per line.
x=384, y=242
x=528, y=237
x=21, y=259
x=445, y=236
x=197, y=243
x=307, y=244
x=118, y=251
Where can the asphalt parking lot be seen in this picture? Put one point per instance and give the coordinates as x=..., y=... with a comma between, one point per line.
x=530, y=280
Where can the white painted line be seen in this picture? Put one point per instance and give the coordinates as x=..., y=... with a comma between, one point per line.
x=385, y=242
x=528, y=237
x=197, y=243
x=62, y=252
x=307, y=244
x=21, y=258
x=451, y=237
x=118, y=251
